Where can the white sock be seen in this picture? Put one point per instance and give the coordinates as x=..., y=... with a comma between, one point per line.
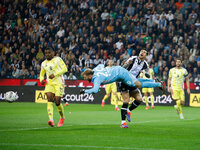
x=123, y=121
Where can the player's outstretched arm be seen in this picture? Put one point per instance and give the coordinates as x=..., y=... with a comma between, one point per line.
x=96, y=87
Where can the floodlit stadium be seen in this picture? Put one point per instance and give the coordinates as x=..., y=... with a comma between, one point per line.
x=99, y=74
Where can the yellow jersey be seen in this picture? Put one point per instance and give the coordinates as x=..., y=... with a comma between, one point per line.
x=177, y=77
x=55, y=66
x=151, y=73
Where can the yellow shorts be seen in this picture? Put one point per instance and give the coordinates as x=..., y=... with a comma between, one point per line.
x=111, y=88
x=178, y=95
x=147, y=90
x=58, y=90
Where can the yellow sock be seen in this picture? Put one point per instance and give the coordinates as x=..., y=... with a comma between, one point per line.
x=152, y=100
x=105, y=97
x=146, y=100
x=61, y=110
x=178, y=103
x=50, y=110
x=116, y=99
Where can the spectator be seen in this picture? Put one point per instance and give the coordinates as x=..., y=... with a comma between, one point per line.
x=71, y=77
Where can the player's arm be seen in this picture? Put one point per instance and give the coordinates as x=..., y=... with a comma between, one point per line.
x=96, y=87
x=187, y=81
x=42, y=73
x=169, y=81
x=128, y=62
x=146, y=70
x=62, y=66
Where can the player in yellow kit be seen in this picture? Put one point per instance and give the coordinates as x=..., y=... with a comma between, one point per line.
x=54, y=67
x=148, y=90
x=111, y=88
x=177, y=75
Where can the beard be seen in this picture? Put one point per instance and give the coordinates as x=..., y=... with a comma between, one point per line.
x=89, y=80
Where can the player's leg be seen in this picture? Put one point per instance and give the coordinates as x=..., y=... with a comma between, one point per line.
x=58, y=94
x=176, y=97
x=49, y=91
x=115, y=96
x=136, y=94
x=125, y=97
x=150, y=90
x=182, y=103
x=108, y=91
x=144, y=90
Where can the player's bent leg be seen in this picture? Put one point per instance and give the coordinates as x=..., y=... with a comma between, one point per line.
x=152, y=100
x=105, y=98
x=146, y=100
x=116, y=99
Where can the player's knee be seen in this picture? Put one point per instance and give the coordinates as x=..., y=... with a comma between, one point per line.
x=57, y=103
x=108, y=94
x=114, y=93
x=182, y=103
x=138, y=84
x=139, y=98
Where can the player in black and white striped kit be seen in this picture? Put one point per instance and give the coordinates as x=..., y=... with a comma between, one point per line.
x=135, y=65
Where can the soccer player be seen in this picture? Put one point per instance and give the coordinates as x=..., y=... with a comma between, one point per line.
x=111, y=88
x=101, y=75
x=177, y=75
x=134, y=66
x=54, y=67
x=148, y=90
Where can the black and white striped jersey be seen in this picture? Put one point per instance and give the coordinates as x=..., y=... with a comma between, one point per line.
x=136, y=66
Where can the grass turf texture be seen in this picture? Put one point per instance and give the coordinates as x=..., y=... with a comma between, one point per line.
x=89, y=127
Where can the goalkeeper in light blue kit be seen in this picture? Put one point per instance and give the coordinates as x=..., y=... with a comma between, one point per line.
x=101, y=75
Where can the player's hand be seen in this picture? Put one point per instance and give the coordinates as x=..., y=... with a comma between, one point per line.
x=51, y=76
x=130, y=61
x=42, y=82
x=169, y=89
x=82, y=91
x=188, y=91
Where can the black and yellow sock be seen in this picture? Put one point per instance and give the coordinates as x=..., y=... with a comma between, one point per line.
x=146, y=100
x=152, y=100
x=105, y=97
x=178, y=103
x=61, y=110
x=50, y=110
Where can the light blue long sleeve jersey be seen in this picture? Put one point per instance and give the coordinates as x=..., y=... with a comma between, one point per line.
x=107, y=75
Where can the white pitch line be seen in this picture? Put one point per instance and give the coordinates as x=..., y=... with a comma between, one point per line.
x=91, y=124
x=79, y=146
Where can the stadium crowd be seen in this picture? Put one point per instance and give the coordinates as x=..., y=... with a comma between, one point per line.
x=85, y=33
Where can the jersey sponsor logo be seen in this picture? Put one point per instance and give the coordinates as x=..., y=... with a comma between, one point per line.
x=195, y=100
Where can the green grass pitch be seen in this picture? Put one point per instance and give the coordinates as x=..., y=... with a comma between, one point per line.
x=23, y=126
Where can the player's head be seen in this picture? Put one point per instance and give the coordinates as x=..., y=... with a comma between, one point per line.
x=178, y=62
x=49, y=53
x=110, y=62
x=143, y=54
x=88, y=74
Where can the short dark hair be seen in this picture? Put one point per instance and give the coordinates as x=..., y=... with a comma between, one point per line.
x=88, y=72
x=178, y=58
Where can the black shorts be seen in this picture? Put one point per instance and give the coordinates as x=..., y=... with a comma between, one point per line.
x=123, y=87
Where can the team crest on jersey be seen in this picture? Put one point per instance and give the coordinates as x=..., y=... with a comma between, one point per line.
x=129, y=82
